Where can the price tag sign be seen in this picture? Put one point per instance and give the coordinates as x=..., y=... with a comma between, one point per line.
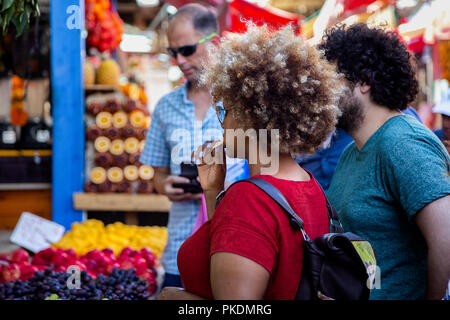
x=9, y=137
x=35, y=233
x=42, y=136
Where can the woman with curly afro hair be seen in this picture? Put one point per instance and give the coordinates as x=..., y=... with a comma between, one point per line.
x=260, y=80
x=392, y=184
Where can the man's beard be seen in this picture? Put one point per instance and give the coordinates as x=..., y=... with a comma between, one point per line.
x=196, y=77
x=352, y=113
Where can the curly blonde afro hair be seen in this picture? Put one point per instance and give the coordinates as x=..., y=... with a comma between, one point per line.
x=273, y=80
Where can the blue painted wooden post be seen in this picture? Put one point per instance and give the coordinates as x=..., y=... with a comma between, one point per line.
x=67, y=50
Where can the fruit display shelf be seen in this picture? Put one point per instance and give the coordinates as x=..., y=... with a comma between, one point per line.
x=100, y=88
x=121, y=202
x=130, y=204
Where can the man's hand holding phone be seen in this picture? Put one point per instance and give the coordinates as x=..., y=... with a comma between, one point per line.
x=177, y=194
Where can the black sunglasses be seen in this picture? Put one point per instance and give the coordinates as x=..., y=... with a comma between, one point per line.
x=190, y=49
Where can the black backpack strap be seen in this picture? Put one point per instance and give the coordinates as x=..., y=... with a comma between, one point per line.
x=335, y=223
x=295, y=221
x=276, y=195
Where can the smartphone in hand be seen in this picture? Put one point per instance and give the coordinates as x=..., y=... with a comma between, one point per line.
x=189, y=170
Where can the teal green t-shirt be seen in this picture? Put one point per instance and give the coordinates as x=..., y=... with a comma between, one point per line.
x=379, y=189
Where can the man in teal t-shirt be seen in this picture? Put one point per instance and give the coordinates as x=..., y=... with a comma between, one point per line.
x=392, y=184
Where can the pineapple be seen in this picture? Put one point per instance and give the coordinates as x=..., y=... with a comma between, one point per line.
x=103, y=120
x=115, y=174
x=120, y=119
x=108, y=73
x=89, y=73
x=131, y=145
x=117, y=147
x=102, y=144
x=131, y=173
x=137, y=118
x=98, y=175
x=146, y=172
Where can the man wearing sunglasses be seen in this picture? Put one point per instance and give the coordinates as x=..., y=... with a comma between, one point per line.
x=187, y=109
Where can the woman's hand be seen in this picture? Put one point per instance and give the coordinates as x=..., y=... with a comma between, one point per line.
x=211, y=163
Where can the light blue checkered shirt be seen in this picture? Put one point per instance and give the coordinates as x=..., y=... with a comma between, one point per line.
x=174, y=133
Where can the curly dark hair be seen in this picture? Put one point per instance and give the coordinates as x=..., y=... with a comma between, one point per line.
x=273, y=80
x=375, y=57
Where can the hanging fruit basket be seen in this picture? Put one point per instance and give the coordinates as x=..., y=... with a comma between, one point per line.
x=104, y=26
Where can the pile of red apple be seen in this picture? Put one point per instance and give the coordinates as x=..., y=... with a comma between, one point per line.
x=18, y=265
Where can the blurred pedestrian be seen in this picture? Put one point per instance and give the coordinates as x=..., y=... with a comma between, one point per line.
x=443, y=108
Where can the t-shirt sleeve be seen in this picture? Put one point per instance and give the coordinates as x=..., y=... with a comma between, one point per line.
x=417, y=171
x=244, y=224
x=156, y=150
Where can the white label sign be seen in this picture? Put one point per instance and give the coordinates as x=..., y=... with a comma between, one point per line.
x=42, y=136
x=35, y=233
x=9, y=137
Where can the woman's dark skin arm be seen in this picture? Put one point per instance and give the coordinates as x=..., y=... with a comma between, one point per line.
x=233, y=277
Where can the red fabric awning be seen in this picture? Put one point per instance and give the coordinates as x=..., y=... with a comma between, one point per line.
x=350, y=5
x=234, y=15
x=241, y=11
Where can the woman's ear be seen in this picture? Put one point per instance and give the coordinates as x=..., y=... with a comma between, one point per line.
x=364, y=88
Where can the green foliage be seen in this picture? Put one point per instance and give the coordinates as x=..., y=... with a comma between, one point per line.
x=17, y=12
